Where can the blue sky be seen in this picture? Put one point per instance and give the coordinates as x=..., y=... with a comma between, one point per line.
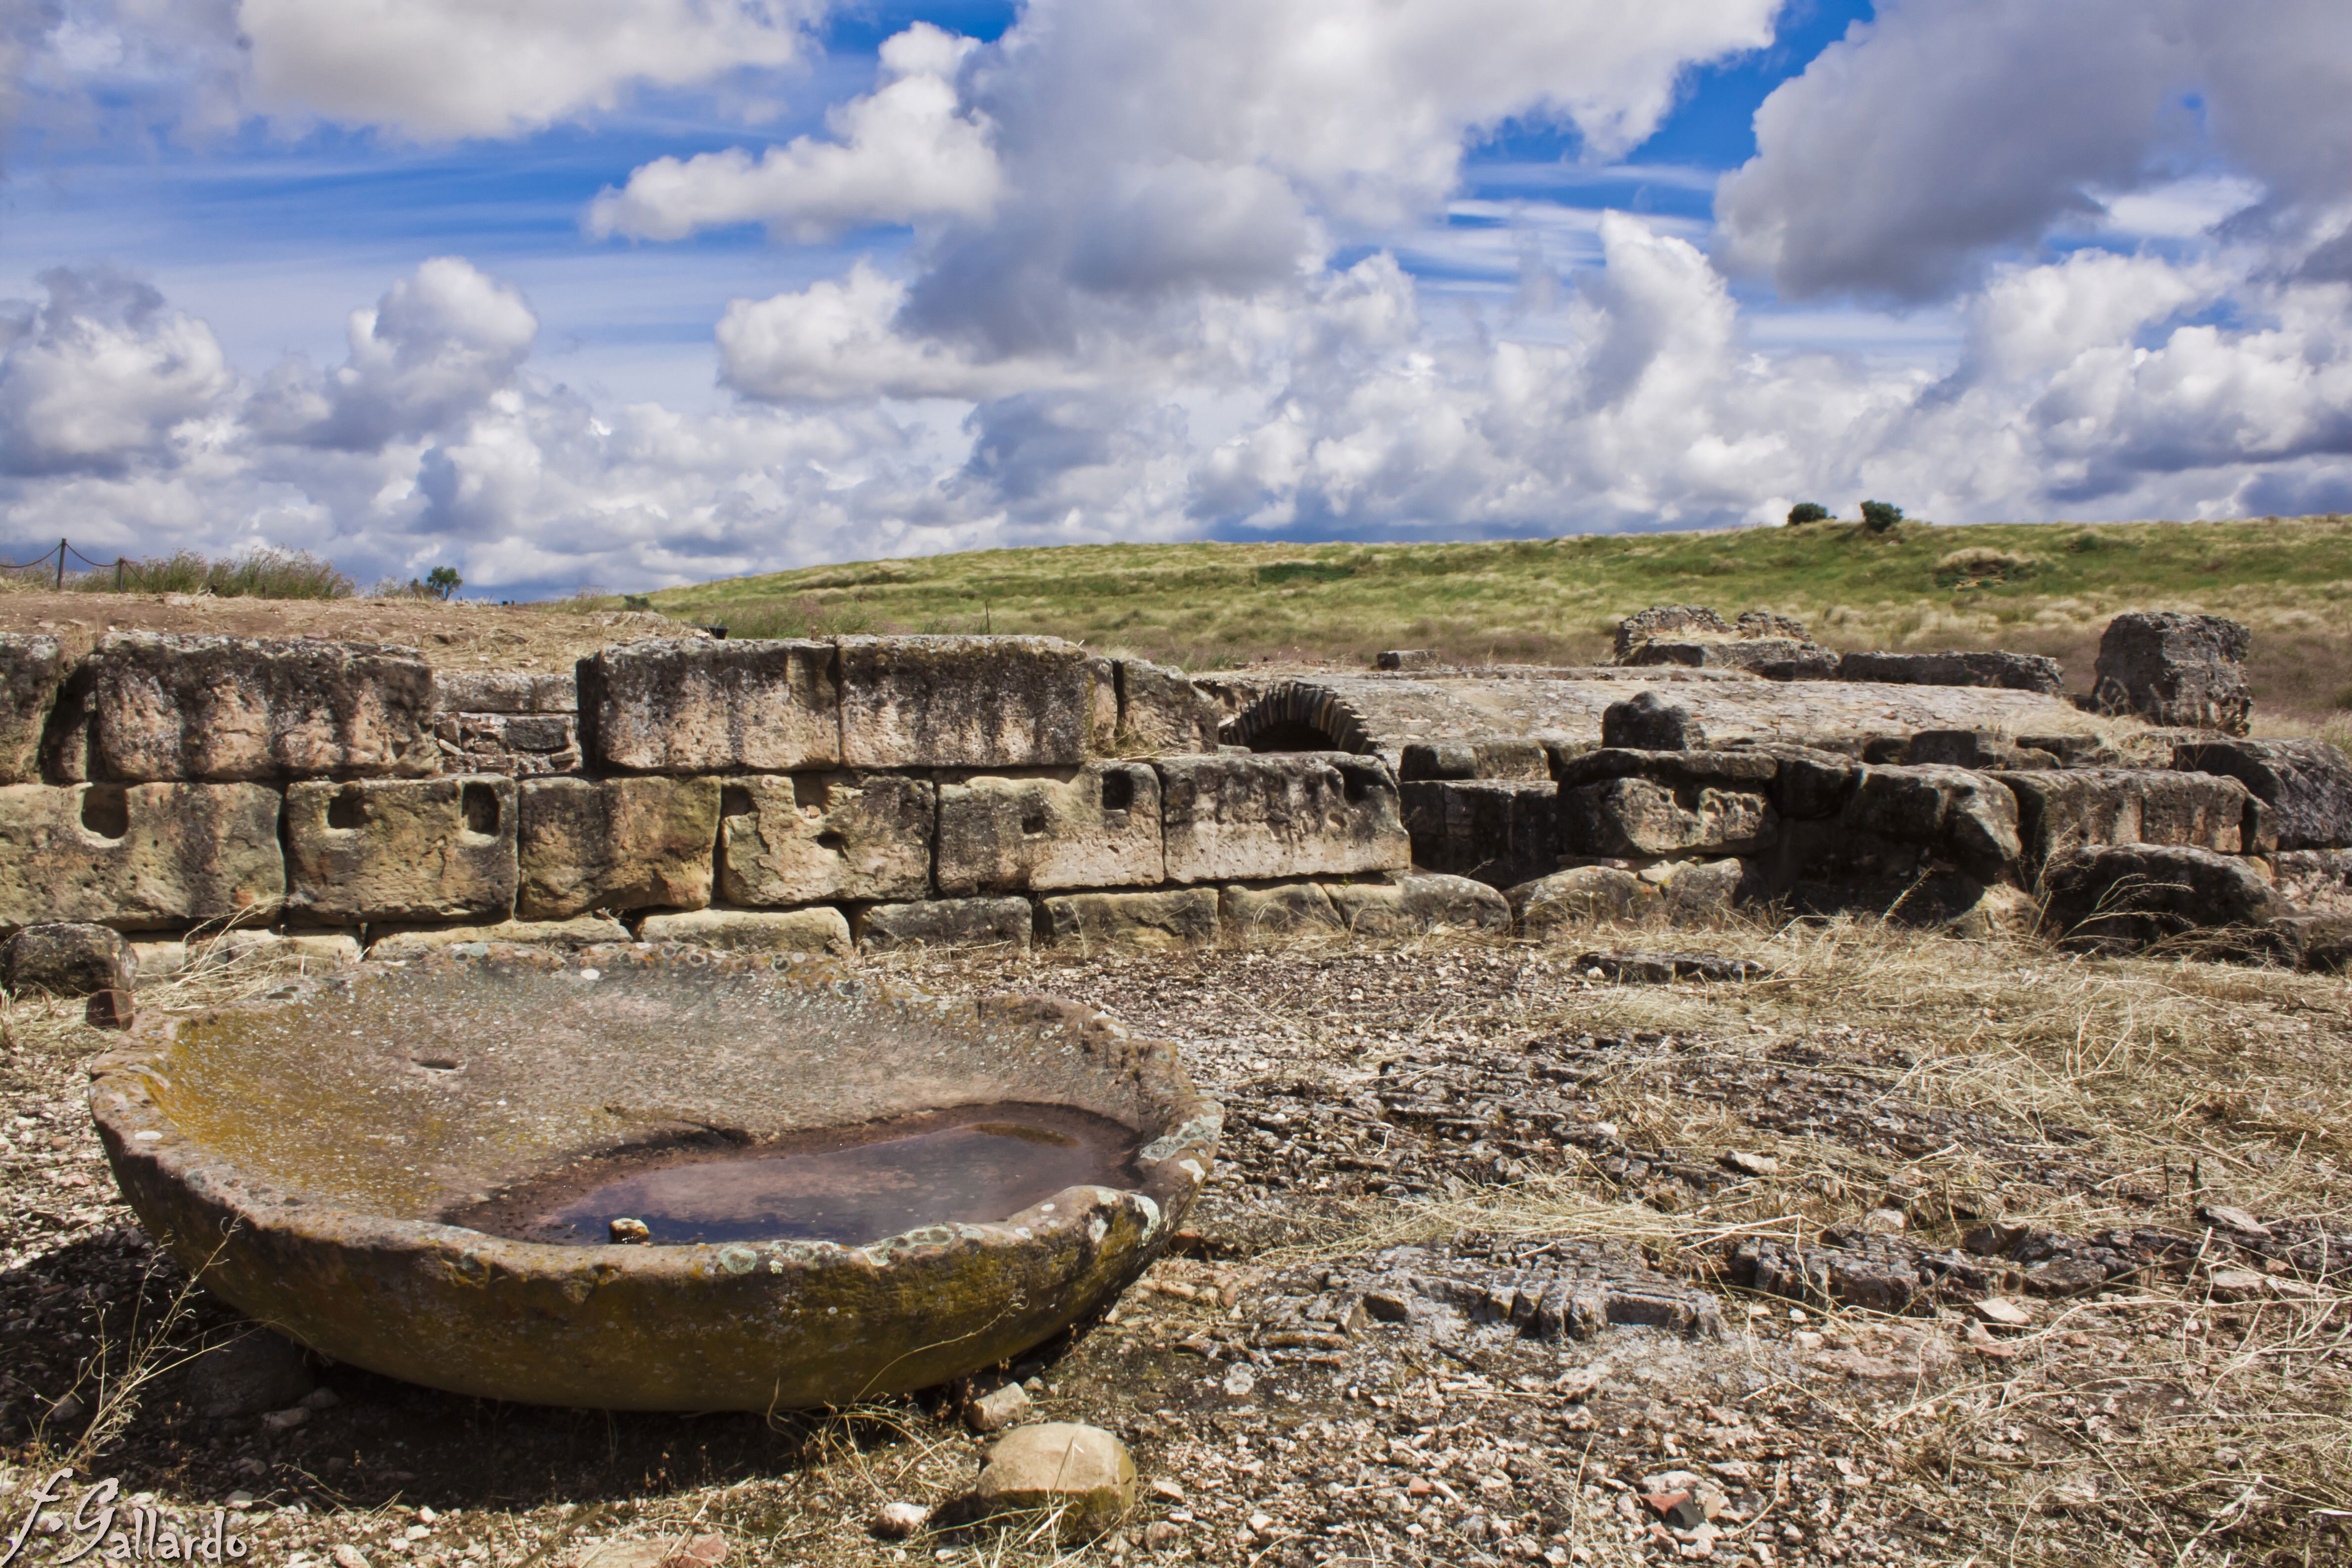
x=990, y=274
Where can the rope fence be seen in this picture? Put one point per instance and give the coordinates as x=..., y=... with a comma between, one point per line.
x=54, y=561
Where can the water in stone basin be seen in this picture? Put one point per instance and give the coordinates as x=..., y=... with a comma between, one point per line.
x=850, y=1185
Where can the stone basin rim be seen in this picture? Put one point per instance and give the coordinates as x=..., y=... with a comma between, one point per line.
x=1098, y=1237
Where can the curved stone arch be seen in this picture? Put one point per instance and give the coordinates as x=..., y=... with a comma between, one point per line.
x=1292, y=712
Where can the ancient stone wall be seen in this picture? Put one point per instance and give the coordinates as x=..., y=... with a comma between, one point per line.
x=952, y=791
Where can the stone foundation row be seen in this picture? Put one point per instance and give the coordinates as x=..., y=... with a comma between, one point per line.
x=386, y=851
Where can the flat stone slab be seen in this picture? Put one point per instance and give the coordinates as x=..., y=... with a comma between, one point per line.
x=947, y=922
x=754, y=931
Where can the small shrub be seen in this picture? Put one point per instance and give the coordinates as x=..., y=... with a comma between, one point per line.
x=1880, y=516
x=265, y=574
x=2085, y=543
x=1806, y=512
x=1980, y=564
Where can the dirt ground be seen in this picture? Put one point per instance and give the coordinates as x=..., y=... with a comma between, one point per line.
x=461, y=634
x=1914, y=1251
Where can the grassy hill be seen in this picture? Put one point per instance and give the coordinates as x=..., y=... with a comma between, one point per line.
x=2033, y=588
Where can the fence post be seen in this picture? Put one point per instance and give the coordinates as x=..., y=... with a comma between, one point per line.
x=61, y=566
x=119, y=563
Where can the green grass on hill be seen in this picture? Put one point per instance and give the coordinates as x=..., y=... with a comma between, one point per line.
x=2032, y=588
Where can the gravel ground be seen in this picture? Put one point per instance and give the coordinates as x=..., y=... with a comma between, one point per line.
x=1904, y=1251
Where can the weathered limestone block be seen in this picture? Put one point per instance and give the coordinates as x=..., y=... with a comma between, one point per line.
x=2135, y=894
x=224, y=708
x=1635, y=816
x=506, y=691
x=1081, y=1477
x=1673, y=622
x=1181, y=917
x=1648, y=722
x=2010, y=671
x=947, y=922
x=1099, y=827
x=819, y=930
x=33, y=672
x=2306, y=784
x=1419, y=903
x=68, y=959
x=697, y=705
x=401, y=849
x=1949, y=810
x=1508, y=758
x=413, y=942
x=1291, y=909
x=810, y=837
x=1235, y=818
x=615, y=843
x=1500, y=833
x=964, y=702
x=138, y=856
x=1402, y=659
x=1774, y=658
x=1161, y=712
x=1582, y=896
x=2174, y=669
x=2065, y=810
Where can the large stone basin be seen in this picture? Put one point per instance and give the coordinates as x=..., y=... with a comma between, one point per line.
x=308, y=1156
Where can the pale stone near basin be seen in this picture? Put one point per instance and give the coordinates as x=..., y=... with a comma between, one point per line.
x=754, y=931
x=1081, y=1474
x=1246, y=818
x=615, y=843
x=695, y=705
x=810, y=837
x=139, y=856
x=1099, y=827
x=401, y=849
x=1185, y=917
x=225, y=708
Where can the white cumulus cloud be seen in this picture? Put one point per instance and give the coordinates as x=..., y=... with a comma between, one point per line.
x=436, y=69
x=906, y=150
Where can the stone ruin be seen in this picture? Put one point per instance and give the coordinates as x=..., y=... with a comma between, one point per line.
x=869, y=791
